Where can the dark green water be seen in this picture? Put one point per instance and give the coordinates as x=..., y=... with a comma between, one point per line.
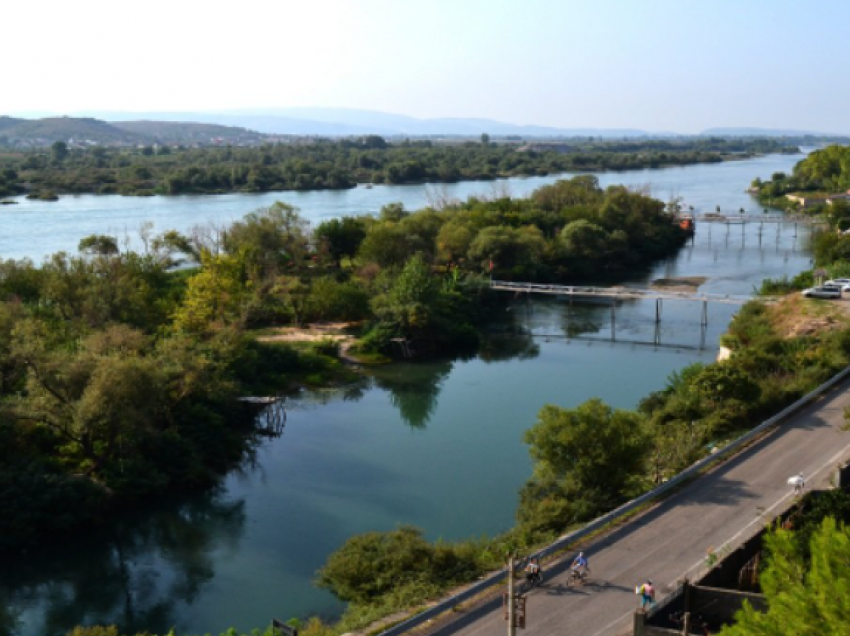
x=435, y=444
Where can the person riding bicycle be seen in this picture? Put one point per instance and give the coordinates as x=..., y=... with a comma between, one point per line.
x=533, y=573
x=580, y=566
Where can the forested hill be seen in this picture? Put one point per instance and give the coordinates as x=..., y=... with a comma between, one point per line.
x=84, y=131
x=175, y=132
x=43, y=132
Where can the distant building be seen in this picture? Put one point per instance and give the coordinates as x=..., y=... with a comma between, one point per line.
x=809, y=201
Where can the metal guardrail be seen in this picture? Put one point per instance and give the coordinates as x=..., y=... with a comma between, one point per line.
x=627, y=508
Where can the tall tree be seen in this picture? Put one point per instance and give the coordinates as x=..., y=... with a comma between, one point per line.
x=587, y=460
x=805, y=601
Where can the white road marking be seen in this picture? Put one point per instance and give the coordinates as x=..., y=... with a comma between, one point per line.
x=609, y=625
x=830, y=462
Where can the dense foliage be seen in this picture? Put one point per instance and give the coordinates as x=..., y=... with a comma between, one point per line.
x=592, y=458
x=807, y=586
x=119, y=373
x=822, y=172
x=324, y=164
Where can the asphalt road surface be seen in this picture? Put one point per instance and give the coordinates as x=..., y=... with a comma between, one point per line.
x=671, y=541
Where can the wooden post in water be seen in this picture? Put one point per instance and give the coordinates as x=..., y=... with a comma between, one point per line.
x=704, y=313
x=657, y=310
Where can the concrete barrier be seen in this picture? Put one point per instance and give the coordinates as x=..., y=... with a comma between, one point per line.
x=627, y=508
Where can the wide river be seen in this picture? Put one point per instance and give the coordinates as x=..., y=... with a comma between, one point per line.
x=434, y=444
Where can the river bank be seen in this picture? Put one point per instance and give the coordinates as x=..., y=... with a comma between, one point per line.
x=400, y=446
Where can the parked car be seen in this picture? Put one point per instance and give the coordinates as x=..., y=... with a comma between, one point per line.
x=843, y=283
x=822, y=292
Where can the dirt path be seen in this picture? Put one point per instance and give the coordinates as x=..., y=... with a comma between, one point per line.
x=316, y=332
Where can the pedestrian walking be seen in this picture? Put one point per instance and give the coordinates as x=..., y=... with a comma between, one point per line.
x=646, y=593
x=798, y=482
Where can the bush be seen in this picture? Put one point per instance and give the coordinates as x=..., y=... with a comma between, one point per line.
x=370, y=565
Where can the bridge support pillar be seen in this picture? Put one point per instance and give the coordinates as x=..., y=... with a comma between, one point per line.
x=613, y=318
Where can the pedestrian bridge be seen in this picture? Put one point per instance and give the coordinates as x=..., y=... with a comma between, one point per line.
x=617, y=292
x=731, y=219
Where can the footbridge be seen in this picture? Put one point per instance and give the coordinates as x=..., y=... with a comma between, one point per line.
x=616, y=293
x=611, y=295
x=787, y=219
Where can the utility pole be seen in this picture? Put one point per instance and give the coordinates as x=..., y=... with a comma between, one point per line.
x=511, y=598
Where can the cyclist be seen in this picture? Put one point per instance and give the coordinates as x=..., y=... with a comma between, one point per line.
x=533, y=573
x=580, y=566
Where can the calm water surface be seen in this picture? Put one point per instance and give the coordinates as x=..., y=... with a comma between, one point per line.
x=435, y=444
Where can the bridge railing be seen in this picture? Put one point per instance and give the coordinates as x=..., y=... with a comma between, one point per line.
x=617, y=292
x=599, y=523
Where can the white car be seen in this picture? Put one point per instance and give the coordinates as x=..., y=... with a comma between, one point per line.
x=822, y=292
x=842, y=283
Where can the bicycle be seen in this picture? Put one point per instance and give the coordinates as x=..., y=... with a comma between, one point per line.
x=531, y=581
x=578, y=576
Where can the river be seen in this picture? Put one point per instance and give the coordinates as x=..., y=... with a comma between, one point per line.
x=434, y=444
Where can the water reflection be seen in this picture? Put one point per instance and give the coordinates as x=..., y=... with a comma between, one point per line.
x=414, y=388
x=137, y=575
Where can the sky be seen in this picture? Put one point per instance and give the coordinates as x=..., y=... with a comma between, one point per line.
x=658, y=65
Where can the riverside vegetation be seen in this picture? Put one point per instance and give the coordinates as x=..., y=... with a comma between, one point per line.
x=325, y=164
x=119, y=373
x=592, y=458
x=382, y=572
x=822, y=173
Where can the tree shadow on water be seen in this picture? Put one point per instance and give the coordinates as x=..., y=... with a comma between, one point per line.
x=136, y=575
x=414, y=388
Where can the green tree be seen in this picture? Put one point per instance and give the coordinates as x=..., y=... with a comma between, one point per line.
x=586, y=460
x=98, y=244
x=59, y=151
x=804, y=599
x=215, y=297
x=514, y=250
x=332, y=300
x=584, y=240
x=342, y=236
x=385, y=244
x=371, y=564
x=409, y=306
x=720, y=382
x=454, y=239
x=394, y=212
x=272, y=240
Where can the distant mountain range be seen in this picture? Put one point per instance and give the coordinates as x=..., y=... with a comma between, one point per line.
x=334, y=122
x=762, y=132
x=251, y=126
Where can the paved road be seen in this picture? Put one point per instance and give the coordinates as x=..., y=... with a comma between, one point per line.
x=669, y=542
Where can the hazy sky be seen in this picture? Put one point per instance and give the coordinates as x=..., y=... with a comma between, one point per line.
x=662, y=65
